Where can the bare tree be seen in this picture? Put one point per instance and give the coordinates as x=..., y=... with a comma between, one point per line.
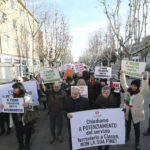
x=134, y=29
x=56, y=38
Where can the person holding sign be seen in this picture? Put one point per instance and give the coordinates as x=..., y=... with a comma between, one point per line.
x=133, y=104
x=92, y=89
x=18, y=118
x=73, y=104
x=105, y=100
x=55, y=100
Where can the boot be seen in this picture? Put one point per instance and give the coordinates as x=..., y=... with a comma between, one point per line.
x=52, y=139
x=60, y=139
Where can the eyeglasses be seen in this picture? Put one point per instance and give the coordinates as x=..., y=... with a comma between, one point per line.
x=18, y=80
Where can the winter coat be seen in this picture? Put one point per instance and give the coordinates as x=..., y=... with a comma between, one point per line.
x=55, y=100
x=15, y=117
x=136, y=101
x=102, y=103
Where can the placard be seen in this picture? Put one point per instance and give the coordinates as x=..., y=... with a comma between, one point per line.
x=103, y=72
x=79, y=68
x=83, y=90
x=69, y=72
x=117, y=87
x=97, y=127
x=13, y=105
x=50, y=76
x=132, y=68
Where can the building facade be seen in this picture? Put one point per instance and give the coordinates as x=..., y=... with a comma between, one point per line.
x=19, y=40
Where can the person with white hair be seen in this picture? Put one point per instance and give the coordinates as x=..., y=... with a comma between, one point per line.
x=103, y=101
x=55, y=100
x=19, y=79
x=73, y=104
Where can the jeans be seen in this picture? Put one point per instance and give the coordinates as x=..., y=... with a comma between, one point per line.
x=136, y=129
x=56, y=120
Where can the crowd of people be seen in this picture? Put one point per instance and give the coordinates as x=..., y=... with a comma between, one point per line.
x=61, y=100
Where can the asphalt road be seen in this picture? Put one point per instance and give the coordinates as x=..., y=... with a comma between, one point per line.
x=40, y=140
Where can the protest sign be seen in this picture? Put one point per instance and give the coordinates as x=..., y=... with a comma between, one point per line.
x=31, y=87
x=50, y=76
x=13, y=105
x=117, y=87
x=67, y=66
x=83, y=90
x=68, y=72
x=97, y=127
x=78, y=68
x=103, y=72
x=133, y=69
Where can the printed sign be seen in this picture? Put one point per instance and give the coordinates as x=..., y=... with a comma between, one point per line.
x=30, y=86
x=14, y=105
x=67, y=66
x=97, y=127
x=78, y=68
x=50, y=76
x=133, y=69
x=117, y=87
x=83, y=90
x=103, y=72
x=68, y=72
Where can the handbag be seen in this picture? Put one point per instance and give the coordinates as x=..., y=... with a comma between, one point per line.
x=31, y=116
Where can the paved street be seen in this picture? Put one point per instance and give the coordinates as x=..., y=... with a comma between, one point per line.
x=40, y=140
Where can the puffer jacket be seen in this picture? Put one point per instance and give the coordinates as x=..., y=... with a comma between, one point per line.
x=137, y=101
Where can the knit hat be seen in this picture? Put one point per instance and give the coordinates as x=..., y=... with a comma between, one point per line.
x=136, y=82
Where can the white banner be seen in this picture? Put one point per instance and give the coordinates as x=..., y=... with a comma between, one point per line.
x=31, y=87
x=13, y=105
x=103, y=72
x=50, y=76
x=97, y=127
x=83, y=90
x=132, y=68
x=78, y=68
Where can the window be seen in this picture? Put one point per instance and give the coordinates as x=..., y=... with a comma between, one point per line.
x=20, y=12
x=14, y=24
x=16, y=44
x=5, y=42
x=12, y=4
x=21, y=29
x=4, y=17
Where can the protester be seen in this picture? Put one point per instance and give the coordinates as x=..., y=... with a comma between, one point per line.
x=102, y=83
x=86, y=74
x=18, y=119
x=116, y=94
x=56, y=99
x=81, y=82
x=133, y=103
x=66, y=85
x=79, y=76
x=103, y=101
x=73, y=104
x=18, y=79
x=92, y=89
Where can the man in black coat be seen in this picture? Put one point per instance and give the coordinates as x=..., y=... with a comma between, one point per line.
x=103, y=101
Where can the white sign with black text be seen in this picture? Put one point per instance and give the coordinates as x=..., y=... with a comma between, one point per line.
x=103, y=72
x=97, y=127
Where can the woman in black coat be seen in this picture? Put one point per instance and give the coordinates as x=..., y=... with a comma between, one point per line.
x=103, y=101
x=73, y=104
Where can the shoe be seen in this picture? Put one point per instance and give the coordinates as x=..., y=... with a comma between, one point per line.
x=147, y=132
x=60, y=139
x=52, y=139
